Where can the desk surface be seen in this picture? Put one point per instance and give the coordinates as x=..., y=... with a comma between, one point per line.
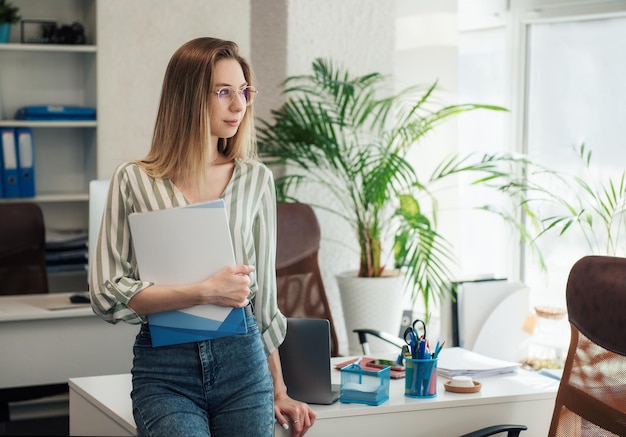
x=46, y=339
x=499, y=401
x=40, y=306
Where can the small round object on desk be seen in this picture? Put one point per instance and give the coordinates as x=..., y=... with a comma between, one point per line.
x=474, y=388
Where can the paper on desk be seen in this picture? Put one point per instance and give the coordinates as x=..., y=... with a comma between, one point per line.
x=457, y=361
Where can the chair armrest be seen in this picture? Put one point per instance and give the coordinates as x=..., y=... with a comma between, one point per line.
x=389, y=338
x=512, y=431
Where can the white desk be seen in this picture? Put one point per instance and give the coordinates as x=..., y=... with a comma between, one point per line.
x=45, y=339
x=102, y=406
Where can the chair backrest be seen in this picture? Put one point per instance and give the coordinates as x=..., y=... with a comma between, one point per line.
x=592, y=395
x=22, y=249
x=301, y=291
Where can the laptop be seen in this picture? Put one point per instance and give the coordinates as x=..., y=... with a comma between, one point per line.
x=305, y=360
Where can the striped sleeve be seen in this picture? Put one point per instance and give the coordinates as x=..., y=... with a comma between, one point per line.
x=253, y=224
x=113, y=280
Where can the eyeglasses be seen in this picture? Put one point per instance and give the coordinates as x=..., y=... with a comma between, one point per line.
x=226, y=95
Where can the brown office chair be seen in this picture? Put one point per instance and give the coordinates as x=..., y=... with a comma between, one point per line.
x=591, y=400
x=301, y=291
x=22, y=249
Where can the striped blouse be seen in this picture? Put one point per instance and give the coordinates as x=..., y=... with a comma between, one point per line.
x=251, y=208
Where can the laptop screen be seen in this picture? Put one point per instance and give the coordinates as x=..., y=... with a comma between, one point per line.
x=305, y=360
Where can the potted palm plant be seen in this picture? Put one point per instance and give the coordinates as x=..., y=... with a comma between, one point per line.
x=9, y=14
x=343, y=134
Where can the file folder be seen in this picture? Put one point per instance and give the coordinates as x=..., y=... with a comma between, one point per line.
x=180, y=246
x=55, y=113
x=9, y=162
x=26, y=161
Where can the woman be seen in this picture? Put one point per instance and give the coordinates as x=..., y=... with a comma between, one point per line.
x=201, y=150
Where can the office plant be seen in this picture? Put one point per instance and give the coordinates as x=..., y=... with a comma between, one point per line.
x=570, y=202
x=9, y=13
x=346, y=135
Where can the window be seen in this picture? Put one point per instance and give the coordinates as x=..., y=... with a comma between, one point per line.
x=576, y=94
x=560, y=70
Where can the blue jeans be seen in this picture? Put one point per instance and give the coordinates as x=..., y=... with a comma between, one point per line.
x=219, y=387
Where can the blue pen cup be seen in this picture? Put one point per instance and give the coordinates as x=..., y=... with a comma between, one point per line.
x=420, y=379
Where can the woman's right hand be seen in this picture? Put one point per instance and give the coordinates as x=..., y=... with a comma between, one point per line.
x=229, y=287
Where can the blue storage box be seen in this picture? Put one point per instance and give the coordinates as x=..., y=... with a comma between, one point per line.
x=364, y=386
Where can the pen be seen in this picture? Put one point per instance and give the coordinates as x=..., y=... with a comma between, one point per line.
x=421, y=349
x=436, y=348
x=439, y=349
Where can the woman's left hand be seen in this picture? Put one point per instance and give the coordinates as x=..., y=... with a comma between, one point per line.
x=297, y=415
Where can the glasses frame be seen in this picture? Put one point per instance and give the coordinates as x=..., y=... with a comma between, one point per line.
x=239, y=92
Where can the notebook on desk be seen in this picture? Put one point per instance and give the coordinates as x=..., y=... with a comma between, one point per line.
x=305, y=360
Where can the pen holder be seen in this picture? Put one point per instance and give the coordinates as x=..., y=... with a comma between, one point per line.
x=364, y=386
x=420, y=378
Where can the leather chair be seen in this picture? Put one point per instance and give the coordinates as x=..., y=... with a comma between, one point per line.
x=592, y=395
x=22, y=249
x=301, y=291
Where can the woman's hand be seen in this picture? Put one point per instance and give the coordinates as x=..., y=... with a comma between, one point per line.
x=230, y=287
x=298, y=416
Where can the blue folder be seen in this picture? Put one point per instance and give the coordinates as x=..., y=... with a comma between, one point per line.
x=9, y=163
x=26, y=161
x=175, y=327
x=55, y=113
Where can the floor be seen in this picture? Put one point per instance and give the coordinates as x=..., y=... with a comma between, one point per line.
x=52, y=426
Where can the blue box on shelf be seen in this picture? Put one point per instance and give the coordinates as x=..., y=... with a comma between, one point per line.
x=364, y=386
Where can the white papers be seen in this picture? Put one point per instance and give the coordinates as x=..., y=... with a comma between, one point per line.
x=182, y=245
x=457, y=361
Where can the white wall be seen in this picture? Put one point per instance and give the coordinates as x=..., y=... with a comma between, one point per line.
x=135, y=42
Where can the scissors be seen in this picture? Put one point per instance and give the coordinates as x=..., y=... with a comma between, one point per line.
x=411, y=340
x=416, y=331
x=420, y=342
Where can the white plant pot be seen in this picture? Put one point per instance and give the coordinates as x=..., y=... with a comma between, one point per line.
x=373, y=303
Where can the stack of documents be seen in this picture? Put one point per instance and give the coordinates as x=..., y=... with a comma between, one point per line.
x=181, y=246
x=66, y=250
x=457, y=361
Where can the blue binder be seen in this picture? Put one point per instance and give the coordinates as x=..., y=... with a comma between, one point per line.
x=55, y=113
x=26, y=161
x=9, y=162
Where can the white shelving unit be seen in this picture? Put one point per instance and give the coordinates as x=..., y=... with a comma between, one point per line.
x=65, y=151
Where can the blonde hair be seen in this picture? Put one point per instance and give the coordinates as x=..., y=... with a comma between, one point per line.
x=182, y=134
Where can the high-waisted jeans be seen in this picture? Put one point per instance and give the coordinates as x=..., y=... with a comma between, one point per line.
x=219, y=387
